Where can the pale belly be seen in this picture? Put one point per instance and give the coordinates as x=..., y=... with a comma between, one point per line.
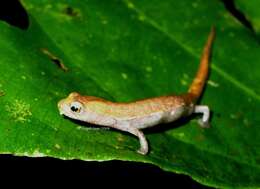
x=139, y=122
x=152, y=119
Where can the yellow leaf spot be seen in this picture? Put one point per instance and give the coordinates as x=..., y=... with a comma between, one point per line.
x=212, y=83
x=130, y=5
x=141, y=17
x=184, y=82
x=124, y=75
x=57, y=146
x=19, y=111
x=149, y=69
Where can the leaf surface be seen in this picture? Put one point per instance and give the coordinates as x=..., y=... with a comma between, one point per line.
x=128, y=50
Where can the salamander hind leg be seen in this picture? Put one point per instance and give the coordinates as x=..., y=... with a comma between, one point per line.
x=204, y=121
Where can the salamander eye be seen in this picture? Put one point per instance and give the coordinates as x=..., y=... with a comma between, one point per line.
x=76, y=107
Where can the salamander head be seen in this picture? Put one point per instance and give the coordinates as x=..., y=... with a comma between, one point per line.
x=72, y=106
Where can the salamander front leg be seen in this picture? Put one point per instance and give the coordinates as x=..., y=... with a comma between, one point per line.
x=204, y=121
x=143, y=142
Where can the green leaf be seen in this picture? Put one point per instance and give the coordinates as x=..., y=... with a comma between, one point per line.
x=126, y=50
x=251, y=10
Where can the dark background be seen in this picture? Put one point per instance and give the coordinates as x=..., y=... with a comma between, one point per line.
x=81, y=173
x=76, y=172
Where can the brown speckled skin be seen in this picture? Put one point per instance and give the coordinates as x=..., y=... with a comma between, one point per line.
x=138, y=108
x=133, y=116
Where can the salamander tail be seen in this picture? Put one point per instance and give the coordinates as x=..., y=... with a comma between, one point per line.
x=199, y=81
